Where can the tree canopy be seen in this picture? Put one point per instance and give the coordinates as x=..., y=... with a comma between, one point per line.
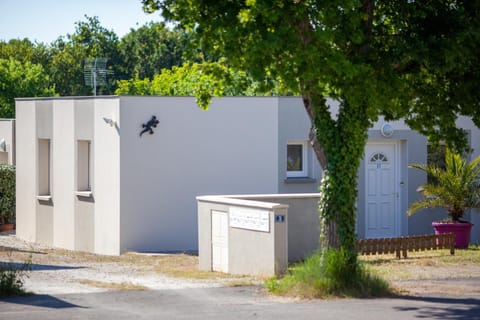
x=149, y=49
x=200, y=80
x=399, y=59
x=141, y=53
x=20, y=79
x=90, y=40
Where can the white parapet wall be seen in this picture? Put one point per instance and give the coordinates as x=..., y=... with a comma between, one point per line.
x=261, y=233
x=303, y=220
x=240, y=236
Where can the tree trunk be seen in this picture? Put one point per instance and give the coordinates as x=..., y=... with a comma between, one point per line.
x=339, y=147
x=337, y=204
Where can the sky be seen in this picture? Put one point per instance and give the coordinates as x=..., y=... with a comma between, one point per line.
x=46, y=20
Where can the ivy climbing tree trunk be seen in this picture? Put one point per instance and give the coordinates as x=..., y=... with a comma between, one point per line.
x=339, y=146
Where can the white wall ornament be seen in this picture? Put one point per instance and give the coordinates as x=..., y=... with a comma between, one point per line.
x=250, y=219
x=149, y=125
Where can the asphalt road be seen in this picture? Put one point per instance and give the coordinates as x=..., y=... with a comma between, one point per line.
x=229, y=303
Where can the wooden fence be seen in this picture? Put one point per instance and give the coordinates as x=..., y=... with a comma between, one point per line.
x=404, y=244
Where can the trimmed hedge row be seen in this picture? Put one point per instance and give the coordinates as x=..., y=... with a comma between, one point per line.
x=7, y=193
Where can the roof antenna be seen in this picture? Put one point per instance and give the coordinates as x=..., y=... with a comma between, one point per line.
x=95, y=73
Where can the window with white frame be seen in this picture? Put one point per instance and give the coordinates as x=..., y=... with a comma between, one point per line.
x=84, y=170
x=297, y=160
x=44, y=167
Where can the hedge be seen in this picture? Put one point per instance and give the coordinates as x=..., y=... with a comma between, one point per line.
x=7, y=193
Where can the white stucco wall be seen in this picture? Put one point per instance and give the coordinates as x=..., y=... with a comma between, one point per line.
x=83, y=203
x=63, y=151
x=231, y=148
x=143, y=189
x=26, y=179
x=255, y=251
x=68, y=220
x=294, y=126
x=106, y=180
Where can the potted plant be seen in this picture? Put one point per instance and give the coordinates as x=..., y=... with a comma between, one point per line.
x=455, y=188
x=7, y=197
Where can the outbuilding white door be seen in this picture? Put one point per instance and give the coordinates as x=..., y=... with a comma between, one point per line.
x=381, y=190
x=219, y=241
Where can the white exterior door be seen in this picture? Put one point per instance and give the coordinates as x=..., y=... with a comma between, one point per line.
x=381, y=212
x=219, y=241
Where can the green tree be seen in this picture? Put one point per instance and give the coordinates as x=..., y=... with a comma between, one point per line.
x=24, y=50
x=89, y=41
x=149, y=49
x=375, y=57
x=19, y=79
x=439, y=43
x=200, y=80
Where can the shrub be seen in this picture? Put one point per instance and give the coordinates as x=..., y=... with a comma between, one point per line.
x=329, y=273
x=7, y=193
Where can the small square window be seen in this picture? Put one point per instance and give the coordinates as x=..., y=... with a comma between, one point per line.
x=436, y=157
x=297, y=162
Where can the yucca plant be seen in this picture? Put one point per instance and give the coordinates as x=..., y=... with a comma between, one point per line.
x=456, y=187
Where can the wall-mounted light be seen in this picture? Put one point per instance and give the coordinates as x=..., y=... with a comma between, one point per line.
x=386, y=130
x=109, y=121
x=3, y=145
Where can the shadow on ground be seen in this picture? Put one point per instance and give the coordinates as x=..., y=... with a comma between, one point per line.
x=42, y=301
x=11, y=249
x=450, y=308
x=34, y=267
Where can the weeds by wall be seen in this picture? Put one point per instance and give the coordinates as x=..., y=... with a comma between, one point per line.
x=12, y=277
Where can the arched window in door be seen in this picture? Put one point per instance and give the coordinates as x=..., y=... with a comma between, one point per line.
x=378, y=157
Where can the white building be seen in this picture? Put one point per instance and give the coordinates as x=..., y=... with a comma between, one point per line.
x=88, y=180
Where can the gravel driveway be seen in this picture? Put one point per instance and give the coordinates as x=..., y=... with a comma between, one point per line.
x=60, y=271
x=57, y=271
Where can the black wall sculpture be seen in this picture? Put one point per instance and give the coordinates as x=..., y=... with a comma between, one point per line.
x=147, y=127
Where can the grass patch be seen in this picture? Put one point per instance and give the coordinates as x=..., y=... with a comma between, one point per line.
x=180, y=265
x=193, y=274
x=242, y=283
x=112, y=285
x=329, y=274
x=437, y=264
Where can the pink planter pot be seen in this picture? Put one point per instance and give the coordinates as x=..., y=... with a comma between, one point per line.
x=461, y=231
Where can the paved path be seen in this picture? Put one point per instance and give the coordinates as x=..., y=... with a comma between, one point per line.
x=229, y=303
x=59, y=281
